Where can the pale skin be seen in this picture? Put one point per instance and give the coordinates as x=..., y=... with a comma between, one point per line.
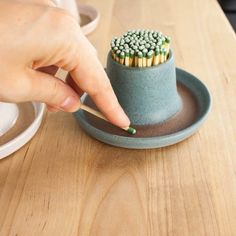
x=36, y=35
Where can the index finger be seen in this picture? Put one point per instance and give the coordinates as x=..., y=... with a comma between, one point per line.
x=90, y=76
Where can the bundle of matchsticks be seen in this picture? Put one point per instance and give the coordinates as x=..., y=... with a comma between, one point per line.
x=140, y=48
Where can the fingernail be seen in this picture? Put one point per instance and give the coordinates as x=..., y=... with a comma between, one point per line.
x=70, y=104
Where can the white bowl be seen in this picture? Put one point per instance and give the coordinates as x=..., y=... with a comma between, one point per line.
x=20, y=140
x=9, y=113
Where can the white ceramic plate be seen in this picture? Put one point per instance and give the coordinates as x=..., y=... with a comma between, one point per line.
x=18, y=141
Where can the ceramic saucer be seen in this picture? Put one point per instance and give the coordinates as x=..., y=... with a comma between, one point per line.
x=29, y=116
x=196, y=103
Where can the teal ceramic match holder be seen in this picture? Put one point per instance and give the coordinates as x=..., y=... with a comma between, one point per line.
x=148, y=95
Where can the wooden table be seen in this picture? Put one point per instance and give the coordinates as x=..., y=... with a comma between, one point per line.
x=65, y=183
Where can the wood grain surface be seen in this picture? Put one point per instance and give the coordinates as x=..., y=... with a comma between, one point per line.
x=65, y=183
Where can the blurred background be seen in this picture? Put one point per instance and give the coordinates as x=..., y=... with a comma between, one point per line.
x=229, y=8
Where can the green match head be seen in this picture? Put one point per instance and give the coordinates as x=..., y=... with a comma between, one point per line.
x=127, y=52
x=122, y=55
x=150, y=54
x=163, y=51
x=157, y=51
x=159, y=43
x=167, y=39
x=141, y=47
x=145, y=51
x=131, y=39
x=150, y=36
x=147, y=45
x=142, y=42
x=118, y=53
x=140, y=54
x=122, y=42
x=152, y=47
x=132, y=53
x=131, y=130
x=163, y=38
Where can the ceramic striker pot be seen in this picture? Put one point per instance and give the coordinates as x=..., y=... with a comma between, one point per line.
x=149, y=94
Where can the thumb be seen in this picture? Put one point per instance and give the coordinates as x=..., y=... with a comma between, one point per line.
x=52, y=91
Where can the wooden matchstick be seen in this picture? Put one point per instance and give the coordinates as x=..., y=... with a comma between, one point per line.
x=156, y=59
x=127, y=57
x=136, y=59
x=129, y=129
x=149, y=58
x=162, y=55
x=122, y=58
x=118, y=55
x=140, y=59
x=131, y=59
x=145, y=51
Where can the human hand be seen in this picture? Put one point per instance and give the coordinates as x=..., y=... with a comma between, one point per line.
x=35, y=36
